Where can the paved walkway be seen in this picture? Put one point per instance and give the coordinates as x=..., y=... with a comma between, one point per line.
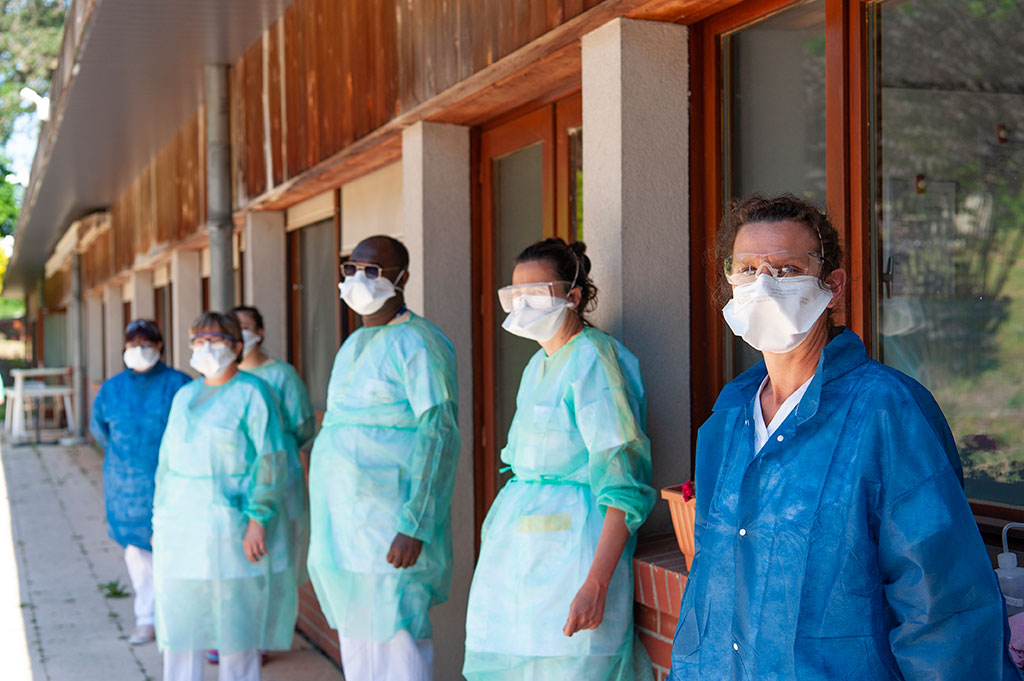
x=56, y=623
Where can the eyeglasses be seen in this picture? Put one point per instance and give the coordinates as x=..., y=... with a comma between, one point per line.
x=200, y=339
x=539, y=294
x=371, y=270
x=744, y=268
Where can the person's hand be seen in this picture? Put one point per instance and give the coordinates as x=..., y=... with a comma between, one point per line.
x=587, y=609
x=404, y=551
x=255, y=542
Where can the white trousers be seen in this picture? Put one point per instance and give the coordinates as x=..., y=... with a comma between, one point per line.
x=399, y=659
x=140, y=571
x=187, y=665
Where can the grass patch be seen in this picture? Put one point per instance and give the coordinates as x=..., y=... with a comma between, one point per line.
x=114, y=589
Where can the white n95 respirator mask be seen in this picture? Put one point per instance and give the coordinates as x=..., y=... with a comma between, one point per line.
x=536, y=317
x=776, y=315
x=366, y=296
x=212, y=359
x=250, y=339
x=141, y=358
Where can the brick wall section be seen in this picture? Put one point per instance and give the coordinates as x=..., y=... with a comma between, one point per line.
x=659, y=571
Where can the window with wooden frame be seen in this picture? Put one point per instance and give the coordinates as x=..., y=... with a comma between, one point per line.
x=529, y=171
x=313, y=275
x=163, y=314
x=917, y=154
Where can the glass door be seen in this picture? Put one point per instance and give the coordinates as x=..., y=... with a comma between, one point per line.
x=530, y=171
x=948, y=222
x=773, y=116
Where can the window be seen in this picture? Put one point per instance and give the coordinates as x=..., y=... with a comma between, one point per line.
x=531, y=188
x=164, y=318
x=313, y=273
x=773, y=85
x=948, y=222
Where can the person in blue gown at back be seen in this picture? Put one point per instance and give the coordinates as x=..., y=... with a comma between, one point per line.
x=834, y=540
x=128, y=419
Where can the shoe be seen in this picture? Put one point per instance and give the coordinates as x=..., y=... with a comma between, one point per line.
x=143, y=634
x=213, y=657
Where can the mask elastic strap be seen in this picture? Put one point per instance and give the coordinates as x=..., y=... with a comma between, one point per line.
x=395, y=283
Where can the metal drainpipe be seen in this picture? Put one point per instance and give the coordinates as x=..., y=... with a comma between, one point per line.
x=218, y=188
x=78, y=384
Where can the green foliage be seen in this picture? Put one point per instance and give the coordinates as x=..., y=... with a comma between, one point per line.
x=10, y=202
x=11, y=308
x=114, y=589
x=30, y=35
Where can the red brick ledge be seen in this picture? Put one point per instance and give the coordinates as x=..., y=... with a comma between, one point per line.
x=659, y=572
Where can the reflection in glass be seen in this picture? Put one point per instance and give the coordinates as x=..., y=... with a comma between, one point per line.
x=949, y=222
x=774, y=113
x=518, y=222
x=576, y=184
x=317, y=276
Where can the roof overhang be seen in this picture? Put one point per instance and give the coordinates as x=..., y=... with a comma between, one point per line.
x=137, y=78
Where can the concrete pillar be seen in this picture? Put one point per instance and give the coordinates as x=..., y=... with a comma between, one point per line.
x=636, y=218
x=266, y=278
x=218, y=188
x=438, y=230
x=113, y=321
x=95, y=369
x=76, y=347
x=186, y=304
x=143, y=305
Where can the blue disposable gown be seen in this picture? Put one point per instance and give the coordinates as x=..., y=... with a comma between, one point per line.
x=299, y=424
x=843, y=550
x=223, y=462
x=129, y=415
x=577, y=446
x=383, y=463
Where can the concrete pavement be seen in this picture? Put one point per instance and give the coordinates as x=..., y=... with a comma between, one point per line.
x=57, y=622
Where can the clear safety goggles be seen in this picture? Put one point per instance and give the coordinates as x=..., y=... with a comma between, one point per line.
x=744, y=268
x=213, y=339
x=540, y=295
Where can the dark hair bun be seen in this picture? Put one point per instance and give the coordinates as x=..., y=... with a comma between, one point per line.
x=579, y=249
x=570, y=264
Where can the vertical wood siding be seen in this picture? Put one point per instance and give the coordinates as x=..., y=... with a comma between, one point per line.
x=335, y=71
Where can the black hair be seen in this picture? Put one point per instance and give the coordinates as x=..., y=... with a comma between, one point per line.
x=401, y=252
x=571, y=264
x=257, y=318
x=145, y=329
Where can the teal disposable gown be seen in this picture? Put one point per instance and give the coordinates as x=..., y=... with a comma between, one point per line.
x=577, y=446
x=299, y=424
x=129, y=415
x=223, y=461
x=843, y=550
x=383, y=463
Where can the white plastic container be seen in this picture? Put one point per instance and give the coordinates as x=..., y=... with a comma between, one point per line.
x=1011, y=577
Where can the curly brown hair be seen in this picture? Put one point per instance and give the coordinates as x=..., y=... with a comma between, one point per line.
x=778, y=208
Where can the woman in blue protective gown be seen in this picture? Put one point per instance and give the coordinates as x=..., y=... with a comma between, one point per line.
x=834, y=540
x=223, y=551
x=129, y=415
x=552, y=595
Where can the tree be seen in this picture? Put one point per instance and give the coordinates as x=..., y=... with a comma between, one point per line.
x=10, y=202
x=30, y=36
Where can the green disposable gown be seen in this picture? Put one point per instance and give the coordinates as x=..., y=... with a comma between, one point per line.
x=384, y=463
x=577, y=447
x=223, y=462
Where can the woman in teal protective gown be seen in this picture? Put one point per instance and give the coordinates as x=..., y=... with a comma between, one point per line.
x=552, y=596
x=223, y=558
x=297, y=418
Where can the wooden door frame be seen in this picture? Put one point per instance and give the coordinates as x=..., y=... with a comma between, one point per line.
x=847, y=175
x=548, y=125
